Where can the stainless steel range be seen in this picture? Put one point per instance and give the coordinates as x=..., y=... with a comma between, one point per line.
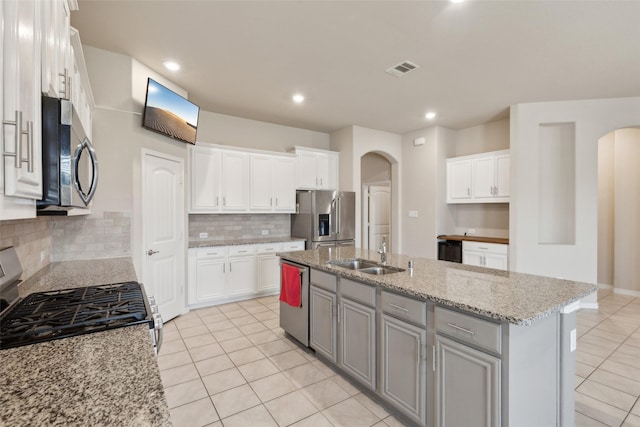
x=46, y=316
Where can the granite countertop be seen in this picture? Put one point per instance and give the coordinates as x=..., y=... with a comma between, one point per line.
x=102, y=378
x=484, y=239
x=515, y=298
x=206, y=243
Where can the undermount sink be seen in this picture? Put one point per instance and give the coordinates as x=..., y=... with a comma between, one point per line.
x=354, y=264
x=381, y=270
x=366, y=266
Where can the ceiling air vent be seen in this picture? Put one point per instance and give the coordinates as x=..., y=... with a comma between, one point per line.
x=402, y=68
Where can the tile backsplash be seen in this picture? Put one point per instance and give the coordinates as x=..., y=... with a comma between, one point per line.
x=46, y=239
x=32, y=240
x=99, y=235
x=238, y=226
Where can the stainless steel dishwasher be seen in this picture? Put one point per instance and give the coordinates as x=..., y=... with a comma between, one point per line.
x=295, y=320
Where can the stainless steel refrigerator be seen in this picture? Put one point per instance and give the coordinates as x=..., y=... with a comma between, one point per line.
x=325, y=218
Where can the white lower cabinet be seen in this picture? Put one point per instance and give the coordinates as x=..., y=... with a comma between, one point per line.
x=268, y=278
x=490, y=255
x=242, y=271
x=210, y=275
x=225, y=273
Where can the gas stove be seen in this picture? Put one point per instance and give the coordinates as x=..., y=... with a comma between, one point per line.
x=52, y=315
x=46, y=316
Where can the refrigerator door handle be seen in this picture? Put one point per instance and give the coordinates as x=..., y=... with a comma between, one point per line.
x=337, y=216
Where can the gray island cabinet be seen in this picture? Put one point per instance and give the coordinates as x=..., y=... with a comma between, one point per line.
x=447, y=344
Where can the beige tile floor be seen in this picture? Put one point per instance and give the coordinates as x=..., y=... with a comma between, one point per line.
x=232, y=365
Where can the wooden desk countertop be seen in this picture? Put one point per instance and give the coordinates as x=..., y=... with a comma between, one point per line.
x=501, y=240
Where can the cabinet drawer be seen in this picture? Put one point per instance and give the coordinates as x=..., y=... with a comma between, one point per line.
x=359, y=292
x=405, y=308
x=497, y=248
x=242, y=250
x=324, y=280
x=293, y=246
x=269, y=248
x=482, y=333
x=214, y=252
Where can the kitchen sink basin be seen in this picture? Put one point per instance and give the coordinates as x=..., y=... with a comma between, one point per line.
x=354, y=264
x=366, y=266
x=379, y=270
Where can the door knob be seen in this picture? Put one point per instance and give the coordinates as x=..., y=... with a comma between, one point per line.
x=151, y=252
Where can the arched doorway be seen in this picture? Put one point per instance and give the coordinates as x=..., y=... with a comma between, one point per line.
x=619, y=211
x=376, y=179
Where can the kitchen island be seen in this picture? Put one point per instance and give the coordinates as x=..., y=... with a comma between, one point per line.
x=101, y=378
x=488, y=347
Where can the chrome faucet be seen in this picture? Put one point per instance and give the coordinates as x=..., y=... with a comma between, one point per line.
x=383, y=251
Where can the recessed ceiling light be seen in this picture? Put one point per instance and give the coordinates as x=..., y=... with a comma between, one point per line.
x=456, y=1
x=171, y=66
x=430, y=115
x=298, y=98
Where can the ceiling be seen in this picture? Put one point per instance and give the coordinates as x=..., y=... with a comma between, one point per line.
x=247, y=58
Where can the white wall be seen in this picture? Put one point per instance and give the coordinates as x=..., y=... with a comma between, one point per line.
x=593, y=119
x=424, y=190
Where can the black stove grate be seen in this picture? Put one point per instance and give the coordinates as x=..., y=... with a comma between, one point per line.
x=46, y=316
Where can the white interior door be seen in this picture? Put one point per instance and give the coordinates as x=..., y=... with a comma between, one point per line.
x=379, y=216
x=163, y=225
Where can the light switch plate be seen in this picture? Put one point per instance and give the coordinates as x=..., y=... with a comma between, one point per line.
x=204, y=235
x=413, y=214
x=265, y=232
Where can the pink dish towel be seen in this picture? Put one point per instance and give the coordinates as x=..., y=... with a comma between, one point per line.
x=290, y=285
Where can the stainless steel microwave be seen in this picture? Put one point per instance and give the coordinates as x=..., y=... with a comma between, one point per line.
x=69, y=162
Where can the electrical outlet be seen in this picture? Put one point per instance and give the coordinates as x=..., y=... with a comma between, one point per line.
x=471, y=231
x=265, y=232
x=204, y=235
x=413, y=214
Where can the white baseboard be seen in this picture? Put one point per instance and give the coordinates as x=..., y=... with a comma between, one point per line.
x=590, y=305
x=628, y=292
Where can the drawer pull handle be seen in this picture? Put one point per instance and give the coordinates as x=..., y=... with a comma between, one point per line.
x=398, y=307
x=241, y=252
x=460, y=328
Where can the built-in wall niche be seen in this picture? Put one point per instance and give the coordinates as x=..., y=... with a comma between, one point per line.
x=557, y=184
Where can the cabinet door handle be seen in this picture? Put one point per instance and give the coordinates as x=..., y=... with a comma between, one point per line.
x=270, y=201
x=66, y=82
x=433, y=358
x=17, y=153
x=217, y=201
x=224, y=267
x=460, y=328
x=468, y=191
x=230, y=267
x=276, y=202
x=398, y=307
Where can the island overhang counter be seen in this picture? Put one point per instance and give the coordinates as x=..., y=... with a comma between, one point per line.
x=498, y=346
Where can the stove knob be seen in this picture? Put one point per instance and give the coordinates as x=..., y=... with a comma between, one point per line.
x=154, y=310
x=152, y=301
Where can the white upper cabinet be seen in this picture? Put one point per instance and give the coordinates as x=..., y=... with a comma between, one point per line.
x=238, y=181
x=235, y=189
x=458, y=180
x=481, y=178
x=272, y=185
x=317, y=169
x=204, y=174
x=21, y=146
x=56, y=48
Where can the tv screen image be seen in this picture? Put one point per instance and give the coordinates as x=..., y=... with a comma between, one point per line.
x=168, y=113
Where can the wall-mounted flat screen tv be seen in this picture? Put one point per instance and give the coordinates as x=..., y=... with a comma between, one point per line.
x=168, y=113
